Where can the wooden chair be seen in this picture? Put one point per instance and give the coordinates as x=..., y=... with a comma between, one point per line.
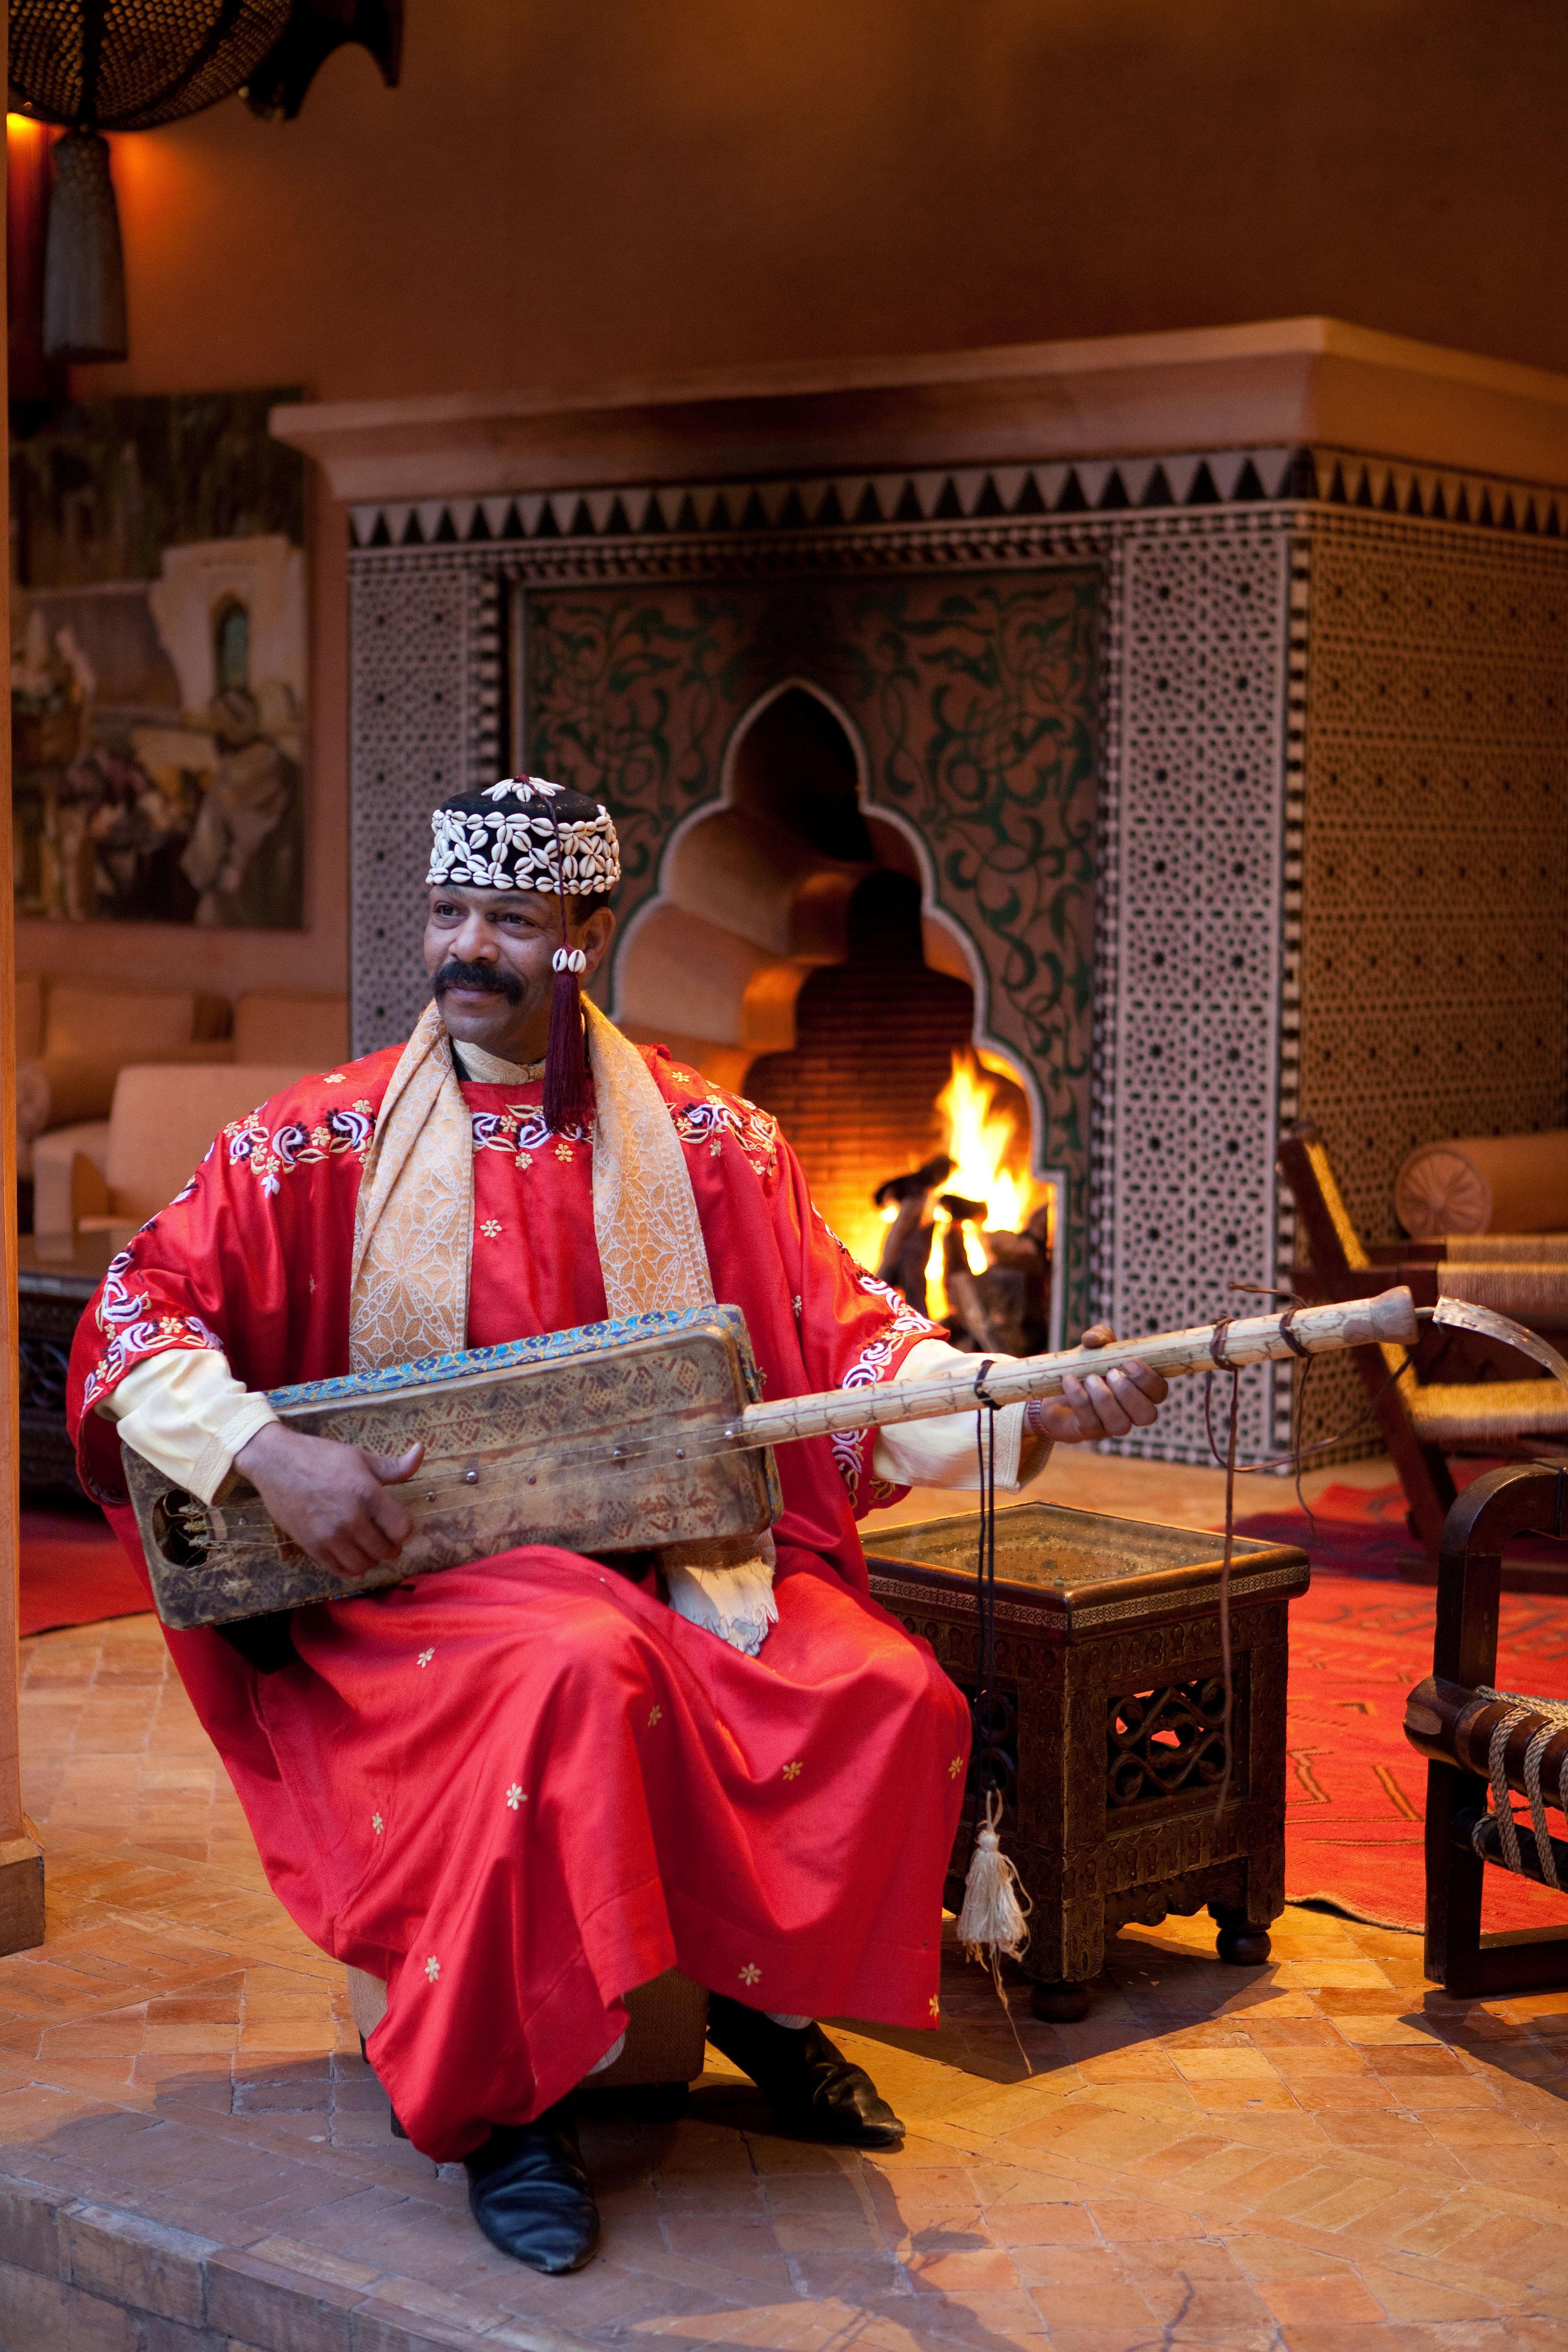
x=1422, y=1421
x=1472, y=1738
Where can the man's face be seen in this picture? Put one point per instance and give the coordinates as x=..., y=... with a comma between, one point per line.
x=488, y=954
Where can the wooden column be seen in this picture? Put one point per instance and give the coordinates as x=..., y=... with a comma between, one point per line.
x=21, y=1856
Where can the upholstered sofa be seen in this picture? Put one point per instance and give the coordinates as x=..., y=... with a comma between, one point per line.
x=96, y=1150
x=72, y=1042
x=111, y=1175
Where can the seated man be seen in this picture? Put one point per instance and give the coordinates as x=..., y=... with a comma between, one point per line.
x=517, y=1790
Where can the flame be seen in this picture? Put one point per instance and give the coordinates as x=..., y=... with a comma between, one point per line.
x=982, y=1138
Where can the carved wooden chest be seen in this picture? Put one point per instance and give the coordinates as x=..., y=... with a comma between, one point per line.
x=1105, y=1728
x=55, y=1279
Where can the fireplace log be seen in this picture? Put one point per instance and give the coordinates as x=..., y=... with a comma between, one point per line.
x=906, y=1251
x=922, y=1182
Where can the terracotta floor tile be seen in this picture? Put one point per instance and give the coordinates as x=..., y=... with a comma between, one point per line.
x=980, y=2272
x=1339, y=2302
x=1404, y=2297
x=975, y=2317
x=1342, y=2094
x=918, y=2232
x=812, y=2192
x=1236, y=2062
x=1095, y=2339
x=1121, y=2305
x=1226, y=2098
x=1041, y=2225
x=851, y=2278
x=1155, y=2259
x=1071, y=2265
x=839, y=2234
x=1316, y=2062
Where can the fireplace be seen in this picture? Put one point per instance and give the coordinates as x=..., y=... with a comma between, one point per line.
x=1219, y=744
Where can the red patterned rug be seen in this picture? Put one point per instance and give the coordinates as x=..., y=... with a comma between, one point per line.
x=1360, y=1639
x=73, y=1572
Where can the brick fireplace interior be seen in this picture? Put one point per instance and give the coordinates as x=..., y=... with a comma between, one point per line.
x=875, y=1040
x=875, y=1009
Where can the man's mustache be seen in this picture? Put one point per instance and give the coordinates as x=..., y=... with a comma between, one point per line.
x=487, y=976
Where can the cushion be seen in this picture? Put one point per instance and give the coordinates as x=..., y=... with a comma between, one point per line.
x=165, y=1117
x=32, y=1103
x=291, y=1025
x=29, y=1015
x=1485, y=1183
x=117, y=1020
x=54, y=1157
x=60, y=1089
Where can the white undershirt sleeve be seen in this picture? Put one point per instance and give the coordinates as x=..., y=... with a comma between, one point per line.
x=186, y=1412
x=942, y=1452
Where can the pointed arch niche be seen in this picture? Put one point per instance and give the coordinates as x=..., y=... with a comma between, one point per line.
x=787, y=954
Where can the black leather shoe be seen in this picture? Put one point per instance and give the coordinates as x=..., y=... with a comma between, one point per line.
x=806, y=2078
x=530, y=2194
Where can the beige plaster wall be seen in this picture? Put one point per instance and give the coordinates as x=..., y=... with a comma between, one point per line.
x=570, y=190
x=566, y=190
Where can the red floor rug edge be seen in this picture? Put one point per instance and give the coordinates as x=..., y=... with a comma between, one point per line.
x=72, y=1571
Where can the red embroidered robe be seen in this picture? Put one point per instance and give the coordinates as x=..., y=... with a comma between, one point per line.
x=520, y=1788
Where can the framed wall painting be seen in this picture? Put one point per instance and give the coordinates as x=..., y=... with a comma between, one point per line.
x=158, y=662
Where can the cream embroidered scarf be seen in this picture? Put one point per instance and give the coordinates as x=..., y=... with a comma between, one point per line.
x=414, y=1226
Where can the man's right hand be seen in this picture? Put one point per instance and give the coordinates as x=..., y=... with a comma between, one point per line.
x=331, y=1498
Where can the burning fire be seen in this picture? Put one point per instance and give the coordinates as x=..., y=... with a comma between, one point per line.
x=983, y=1139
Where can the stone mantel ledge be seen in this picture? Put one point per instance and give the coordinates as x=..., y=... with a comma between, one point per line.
x=1278, y=381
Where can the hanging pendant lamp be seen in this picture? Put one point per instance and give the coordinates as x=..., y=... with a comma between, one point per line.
x=93, y=66
x=117, y=65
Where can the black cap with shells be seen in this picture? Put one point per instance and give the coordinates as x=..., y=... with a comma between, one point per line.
x=525, y=833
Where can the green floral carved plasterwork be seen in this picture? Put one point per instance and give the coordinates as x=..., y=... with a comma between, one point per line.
x=975, y=699
x=631, y=696
x=977, y=702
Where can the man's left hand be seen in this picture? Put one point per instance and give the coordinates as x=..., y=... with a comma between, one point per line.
x=1108, y=1405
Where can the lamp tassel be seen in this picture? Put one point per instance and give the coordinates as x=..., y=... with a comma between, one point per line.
x=84, y=266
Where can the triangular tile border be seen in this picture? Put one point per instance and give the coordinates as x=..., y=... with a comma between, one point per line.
x=984, y=496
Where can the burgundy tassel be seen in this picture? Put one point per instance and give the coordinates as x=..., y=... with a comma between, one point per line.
x=567, y=1102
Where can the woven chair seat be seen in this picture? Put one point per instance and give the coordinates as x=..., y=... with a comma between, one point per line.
x=1454, y=1412
x=1533, y=1294
x=1506, y=1249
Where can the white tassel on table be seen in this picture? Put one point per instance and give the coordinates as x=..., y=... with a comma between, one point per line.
x=993, y=1925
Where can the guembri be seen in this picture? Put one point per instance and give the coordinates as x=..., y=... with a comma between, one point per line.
x=616, y=1438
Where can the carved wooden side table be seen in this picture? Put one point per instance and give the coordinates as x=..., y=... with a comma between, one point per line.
x=55, y=1279
x=1105, y=1730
